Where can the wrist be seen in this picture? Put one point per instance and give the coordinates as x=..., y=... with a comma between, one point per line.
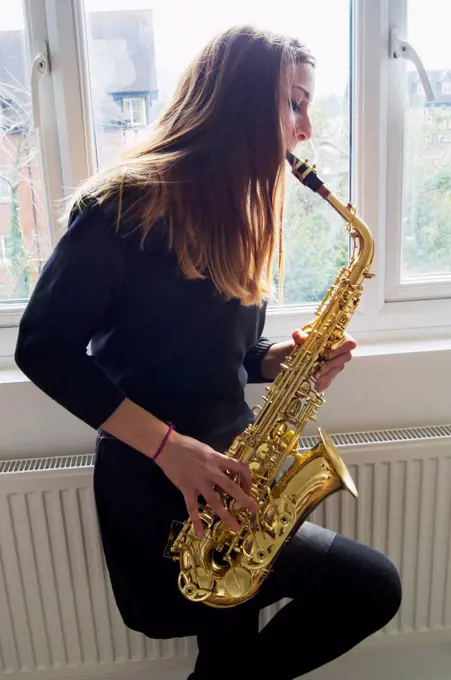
x=169, y=445
x=274, y=357
x=163, y=442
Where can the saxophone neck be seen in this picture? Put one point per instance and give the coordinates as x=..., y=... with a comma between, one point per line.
x=359, y=231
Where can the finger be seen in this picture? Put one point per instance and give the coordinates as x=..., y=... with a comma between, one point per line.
x=326, y=381
x=243, y=480
x=345, y=348
x=334, y=364
x=193, y=511
x=216, y=504
x=348, y=345
x=237, y=492
x=236, y=466
x=299, y=336
x=323, y=384
x=332, y=375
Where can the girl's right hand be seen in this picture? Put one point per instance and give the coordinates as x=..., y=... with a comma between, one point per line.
x=197, y=469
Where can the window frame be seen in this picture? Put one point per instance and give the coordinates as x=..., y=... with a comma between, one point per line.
x=67, y=153
x=376, y=191
x=425, y=288
x=141, y=102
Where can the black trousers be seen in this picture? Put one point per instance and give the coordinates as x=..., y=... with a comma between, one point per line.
x=342, y=592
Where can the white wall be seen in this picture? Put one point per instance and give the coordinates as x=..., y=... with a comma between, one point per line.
x=398, y=385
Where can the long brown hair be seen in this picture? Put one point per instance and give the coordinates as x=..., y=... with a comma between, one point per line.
x=213, y=165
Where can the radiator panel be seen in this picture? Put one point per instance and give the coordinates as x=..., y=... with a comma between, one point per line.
x=58, y=615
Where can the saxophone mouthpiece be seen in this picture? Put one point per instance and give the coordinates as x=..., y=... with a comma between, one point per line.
x=305, y=173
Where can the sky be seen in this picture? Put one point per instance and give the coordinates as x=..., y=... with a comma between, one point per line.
x=181, y=28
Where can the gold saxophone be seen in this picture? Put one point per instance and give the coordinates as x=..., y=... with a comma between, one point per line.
x=225, y=567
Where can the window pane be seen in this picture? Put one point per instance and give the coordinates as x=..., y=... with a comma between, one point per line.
x=24, y=243
x=316, y=243
x=426, y=239
x=137, y=53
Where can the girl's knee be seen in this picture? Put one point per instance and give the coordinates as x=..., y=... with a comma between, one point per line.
x=370, y=579
x=383, y=589
x=389, y=587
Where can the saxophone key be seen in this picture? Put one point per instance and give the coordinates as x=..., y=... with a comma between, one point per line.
x=304, y=389
x=191, y=591
x=237, y=581
x=280, y=516
x=257, y=548
x=256, y=410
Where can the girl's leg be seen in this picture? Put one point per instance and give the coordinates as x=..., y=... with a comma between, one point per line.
x=341, y=592
x=225, y=652
x=358, y=594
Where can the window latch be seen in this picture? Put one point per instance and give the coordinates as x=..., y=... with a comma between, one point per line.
x=40, y=67
x=402, y=49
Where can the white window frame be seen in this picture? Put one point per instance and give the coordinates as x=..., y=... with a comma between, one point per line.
x=67, y=156
x=64, y=138
x=127, y=107
x=388, y=311
x=430, y=287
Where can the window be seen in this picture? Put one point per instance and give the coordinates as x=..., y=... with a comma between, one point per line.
x=420, y=239
x=378, y=140
x=21, y=194
x=128, y=52
x=134, y=109
x=316, y=243
x=426, y=245
x=123, y=72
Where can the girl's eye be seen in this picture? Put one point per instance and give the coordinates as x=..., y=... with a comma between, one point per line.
x=295, y=106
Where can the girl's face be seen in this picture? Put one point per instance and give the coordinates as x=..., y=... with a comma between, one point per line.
x=296, y=93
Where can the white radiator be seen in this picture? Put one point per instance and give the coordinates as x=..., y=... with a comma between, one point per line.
x=58, y=618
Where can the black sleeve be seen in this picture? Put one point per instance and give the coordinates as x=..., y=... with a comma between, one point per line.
x=70, y=303
x=253, y=360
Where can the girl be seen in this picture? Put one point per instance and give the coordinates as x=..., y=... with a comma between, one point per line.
x=165, y=270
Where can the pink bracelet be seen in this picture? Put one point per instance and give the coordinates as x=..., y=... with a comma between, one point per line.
x=163, y=443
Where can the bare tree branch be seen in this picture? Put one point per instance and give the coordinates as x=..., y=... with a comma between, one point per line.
x=19, y=152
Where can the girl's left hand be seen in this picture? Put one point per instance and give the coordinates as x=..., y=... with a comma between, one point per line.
x=336, y=361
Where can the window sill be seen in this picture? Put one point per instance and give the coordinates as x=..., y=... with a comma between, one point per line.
x=394, y=322
x=10, y=373
x=387, y=385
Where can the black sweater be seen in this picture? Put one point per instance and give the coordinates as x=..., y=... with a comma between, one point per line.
x=173, y=346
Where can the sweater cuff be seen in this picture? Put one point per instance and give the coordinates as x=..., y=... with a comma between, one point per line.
x=253, y=361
